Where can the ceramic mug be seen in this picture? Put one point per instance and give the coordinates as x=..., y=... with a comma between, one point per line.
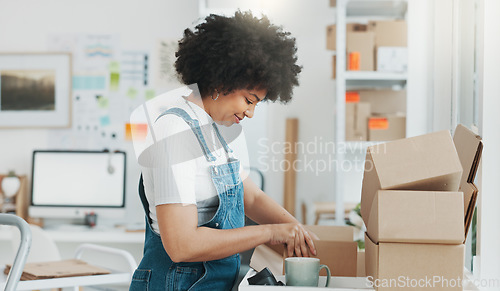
x=304, y=271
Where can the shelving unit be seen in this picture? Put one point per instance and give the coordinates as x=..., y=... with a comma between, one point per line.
x=358, y=11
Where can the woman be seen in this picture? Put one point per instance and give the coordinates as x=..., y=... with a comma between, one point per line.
x=196, y=202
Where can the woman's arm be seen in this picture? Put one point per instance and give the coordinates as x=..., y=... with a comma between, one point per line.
x=261, y=208
x=184, y=241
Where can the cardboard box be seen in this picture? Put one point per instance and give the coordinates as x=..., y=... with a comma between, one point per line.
x=469, y=148
x=334, y=67
x=364, y=44
x=356, y=125
x=418, y=266
x=386, y=127
x=331, y=33
x=384, y=101
x=336, y=249
x=428, y=163
x=389, y=32
x=333, y=3
x=417, y=217
x=392, y=59
x=361, y=264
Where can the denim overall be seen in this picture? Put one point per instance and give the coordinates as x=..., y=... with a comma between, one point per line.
x=156, y=270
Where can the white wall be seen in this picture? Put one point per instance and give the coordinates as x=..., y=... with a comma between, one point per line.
x=25, y=26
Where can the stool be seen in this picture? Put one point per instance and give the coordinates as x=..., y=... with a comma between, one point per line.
x=323, y=210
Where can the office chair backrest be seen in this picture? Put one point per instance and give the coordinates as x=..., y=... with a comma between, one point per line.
x=43, y=247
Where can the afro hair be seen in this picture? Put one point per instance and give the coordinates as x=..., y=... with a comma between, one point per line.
x=239, y=52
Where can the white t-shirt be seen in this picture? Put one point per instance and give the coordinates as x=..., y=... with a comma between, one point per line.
x=184, y=176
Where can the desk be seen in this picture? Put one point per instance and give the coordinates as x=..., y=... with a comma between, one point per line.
x=336, y=283
x=68, y=239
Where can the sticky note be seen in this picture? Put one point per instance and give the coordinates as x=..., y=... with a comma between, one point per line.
x=137, y=131
x=132, y=93
x=149, y=94
x=103, y=102
x=114, y=75
x=105, y=120
x=89, y=82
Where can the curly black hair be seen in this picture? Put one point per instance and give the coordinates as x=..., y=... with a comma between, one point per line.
x=239, y=52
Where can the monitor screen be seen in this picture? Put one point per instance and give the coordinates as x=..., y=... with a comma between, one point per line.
x=69, y=183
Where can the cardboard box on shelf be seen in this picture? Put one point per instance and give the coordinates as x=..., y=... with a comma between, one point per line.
x=384, y=101
x=389, y=32
x=356, y=128
x=394, y=266
x=386, y=127
x=428, y=163
x=417, y=217
x=334, y=67
x=364, y=44
x=336, y=249
x=331, y=33
x=392, y=59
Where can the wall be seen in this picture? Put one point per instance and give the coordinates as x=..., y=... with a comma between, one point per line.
x=25, y=26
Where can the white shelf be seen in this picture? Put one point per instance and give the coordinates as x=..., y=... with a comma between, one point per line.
x=374, y=9
x=374, y=76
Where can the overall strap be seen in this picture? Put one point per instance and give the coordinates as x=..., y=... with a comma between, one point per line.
x=144, y=200
x=222, y=140
x=195, y=127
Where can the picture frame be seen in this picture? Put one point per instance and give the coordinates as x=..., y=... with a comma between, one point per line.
x=35, y=90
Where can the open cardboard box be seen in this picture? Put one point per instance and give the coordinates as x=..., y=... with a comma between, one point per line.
x=400, y=265
x=427, y=163
x=469, y=148
x=417, y=217
x=335, y=248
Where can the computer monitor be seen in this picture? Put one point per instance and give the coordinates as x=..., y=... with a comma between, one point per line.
x=70, y=184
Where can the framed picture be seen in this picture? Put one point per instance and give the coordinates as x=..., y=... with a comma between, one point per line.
x=35, y=90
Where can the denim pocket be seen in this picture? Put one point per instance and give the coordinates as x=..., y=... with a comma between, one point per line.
x=232, y=190
x=140, y=280
x=184, y=277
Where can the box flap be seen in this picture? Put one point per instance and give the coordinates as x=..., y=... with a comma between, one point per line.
x=417, y=216
x=471, y=207
x=469, y=148
x=371, y=258
x=263, y=256
x=428, y=162
x=332, y=233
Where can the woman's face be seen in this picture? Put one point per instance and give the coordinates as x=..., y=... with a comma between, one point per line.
x=235, y=106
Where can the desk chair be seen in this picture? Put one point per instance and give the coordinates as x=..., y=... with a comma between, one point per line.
x=11, y=282
x=43, y=248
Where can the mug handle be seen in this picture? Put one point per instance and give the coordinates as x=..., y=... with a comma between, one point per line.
x=327, y=273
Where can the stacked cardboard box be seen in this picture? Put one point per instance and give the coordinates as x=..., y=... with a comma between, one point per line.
x=414, y=211
x=375, y=115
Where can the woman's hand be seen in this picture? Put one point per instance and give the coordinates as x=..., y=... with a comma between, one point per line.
x=295, y=237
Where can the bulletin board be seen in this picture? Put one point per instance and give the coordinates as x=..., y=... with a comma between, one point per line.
x=108, y=83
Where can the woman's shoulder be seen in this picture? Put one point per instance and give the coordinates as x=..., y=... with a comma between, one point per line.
x=170, y=124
